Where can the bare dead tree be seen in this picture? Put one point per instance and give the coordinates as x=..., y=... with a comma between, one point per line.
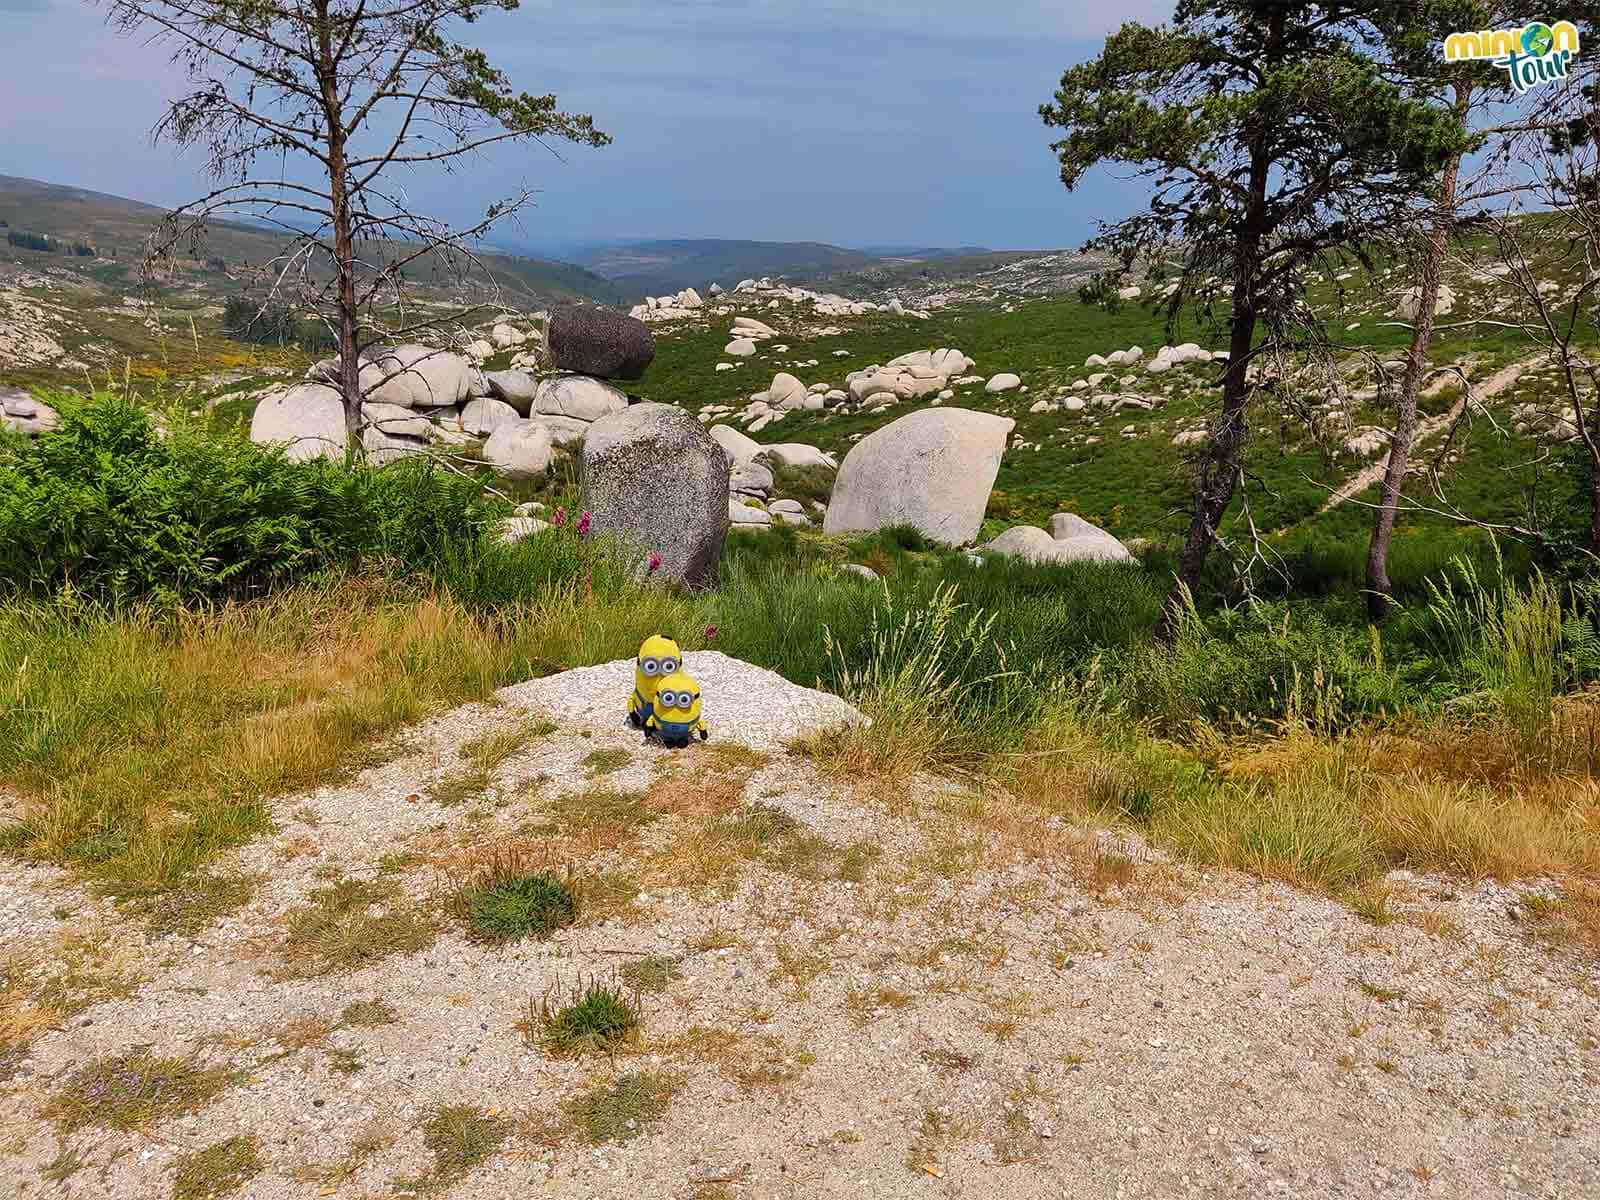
x=312, y=115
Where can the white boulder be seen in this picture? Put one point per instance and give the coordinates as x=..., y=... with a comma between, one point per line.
x=307, y=420
x=579, y=396
x=932, y=469
x=519, y=450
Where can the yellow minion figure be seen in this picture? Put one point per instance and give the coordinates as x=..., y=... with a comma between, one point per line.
x=658, y=657
x=675, y=716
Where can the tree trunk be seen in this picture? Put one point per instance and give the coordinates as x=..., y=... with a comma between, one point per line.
x=1220, y=461
x=344, y=254
x=1380, y=593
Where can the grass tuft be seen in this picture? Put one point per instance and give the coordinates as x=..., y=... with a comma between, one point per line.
x=596, y=1018
x=508, y=902
x=217, y=1170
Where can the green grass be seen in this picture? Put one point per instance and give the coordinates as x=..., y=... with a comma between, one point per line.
x=596, y=1018
x=626, y=1109
x=130, y=1091
x=508, y=902
x=218, y=1170
x=605, y=762
x=460, y=1137
x=337, y=929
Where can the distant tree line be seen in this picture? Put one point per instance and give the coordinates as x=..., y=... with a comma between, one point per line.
x=23, y=240
x=273, y=324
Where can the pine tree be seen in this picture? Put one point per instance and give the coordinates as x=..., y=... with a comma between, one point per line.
x=1271, y=140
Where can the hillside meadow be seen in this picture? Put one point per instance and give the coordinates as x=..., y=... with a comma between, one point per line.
x=212, y=626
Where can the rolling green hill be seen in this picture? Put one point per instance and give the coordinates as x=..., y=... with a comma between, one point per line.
x=117, y=228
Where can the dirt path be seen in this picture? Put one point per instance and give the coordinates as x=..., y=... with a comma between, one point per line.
x=1426, y=428
x=926, y=994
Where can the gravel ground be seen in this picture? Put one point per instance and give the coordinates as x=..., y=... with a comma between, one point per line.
x=978, y=1005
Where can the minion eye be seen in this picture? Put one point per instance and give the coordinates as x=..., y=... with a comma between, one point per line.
x=670, y=699
x=668, y=665
x=650, y=666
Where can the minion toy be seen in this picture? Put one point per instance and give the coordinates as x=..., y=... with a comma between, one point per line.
x=658, y=657
x=675, y=716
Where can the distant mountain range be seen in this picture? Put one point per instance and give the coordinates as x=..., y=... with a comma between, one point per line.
x=535, y=271
x=660, y=266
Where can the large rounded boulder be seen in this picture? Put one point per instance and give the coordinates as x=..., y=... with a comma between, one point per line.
x=656, y=481
x=579, y=397
x=519, y=450
x=513, y=387
x=307, y=420
x=600, y=341
x=419, y=377
x=932, y=469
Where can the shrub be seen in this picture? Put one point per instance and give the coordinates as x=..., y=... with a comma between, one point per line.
x=261, y=324
x=106, y=506
x=1259, y=665
x=28, y=241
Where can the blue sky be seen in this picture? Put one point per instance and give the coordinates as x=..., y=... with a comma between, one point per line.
x=907, y=122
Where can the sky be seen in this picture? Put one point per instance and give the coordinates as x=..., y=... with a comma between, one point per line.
x=856, y=122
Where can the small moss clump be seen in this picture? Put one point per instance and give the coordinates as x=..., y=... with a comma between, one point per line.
x=604, y=762
x=626, y=1109
x=652, y=974
x=217, y=1170
x=366, y=1014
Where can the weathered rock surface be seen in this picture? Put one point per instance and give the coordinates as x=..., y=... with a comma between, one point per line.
x=1070, y=539
x=578, y=396
x=739, y=447
x=21, y=413
x=931, y=469
x=798, y=454
x=481, y=418
x=747, y=515
x=519, y=450
x=516, y=388
x=307, y=419
x=415, y=376
x=600, y=342
x=786, y=392
x=655, y=480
